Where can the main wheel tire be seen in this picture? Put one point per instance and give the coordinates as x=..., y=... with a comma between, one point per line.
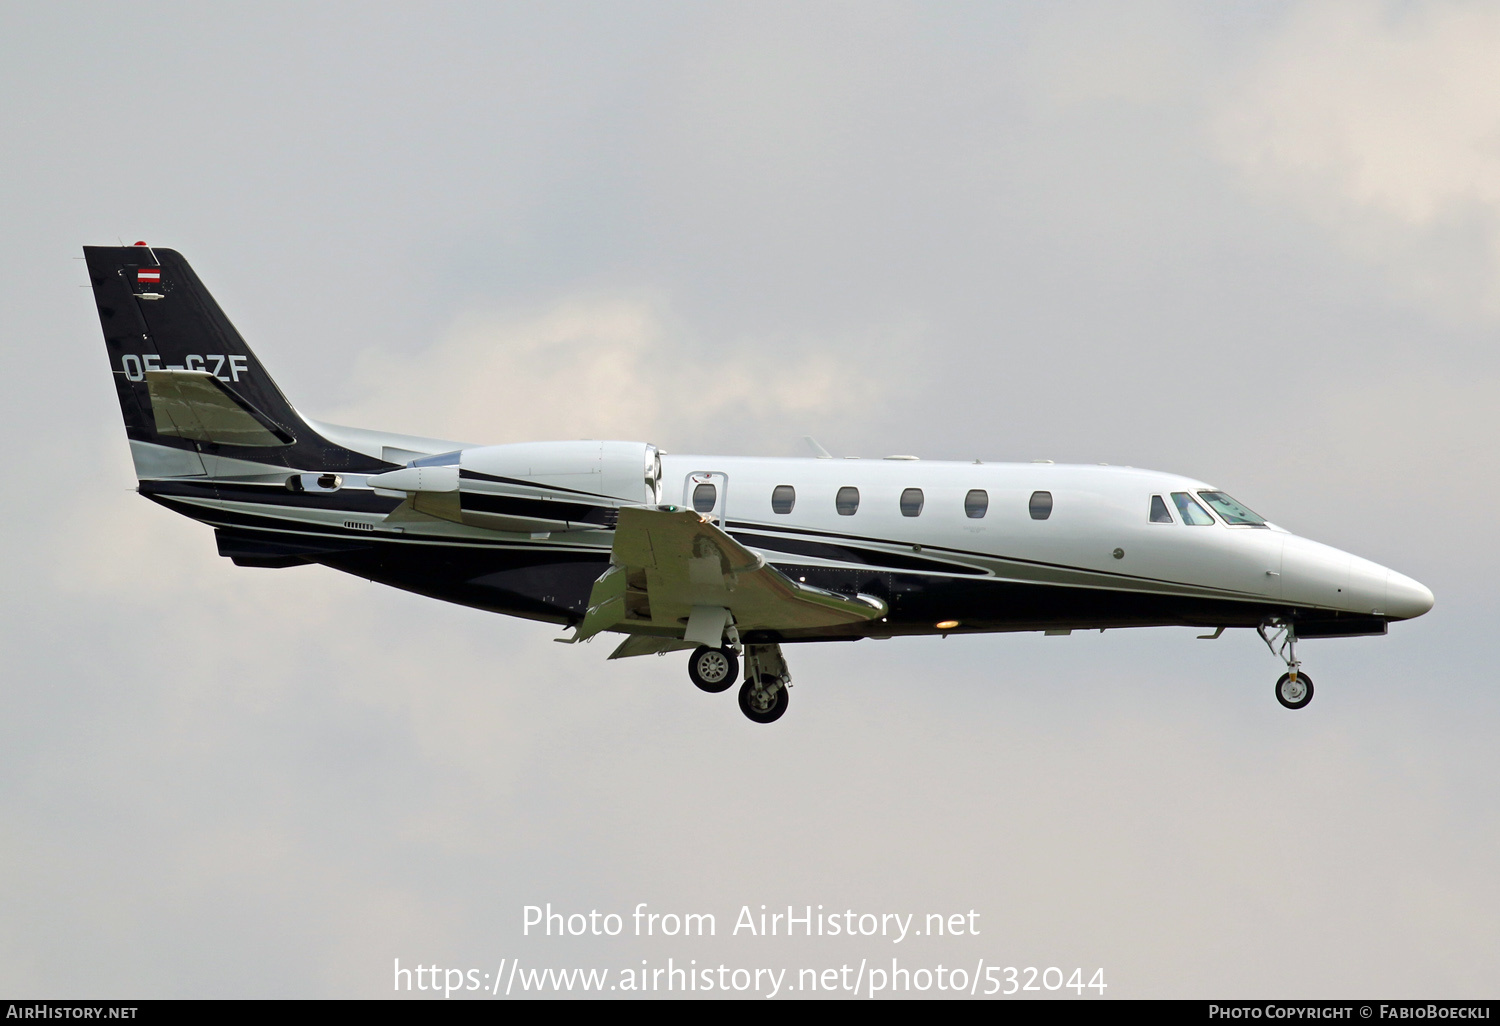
x=760, y=706
x=1294, y=694
x=713, y=669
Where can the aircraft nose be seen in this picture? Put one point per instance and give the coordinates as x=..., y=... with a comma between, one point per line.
x=1405, y=598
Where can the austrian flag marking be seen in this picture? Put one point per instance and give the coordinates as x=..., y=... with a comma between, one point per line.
x=148, y=276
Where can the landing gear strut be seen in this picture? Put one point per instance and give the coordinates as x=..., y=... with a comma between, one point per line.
x=1295, y=688
x=763, y=696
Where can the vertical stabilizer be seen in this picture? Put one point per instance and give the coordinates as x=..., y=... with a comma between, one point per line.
x=189, y=387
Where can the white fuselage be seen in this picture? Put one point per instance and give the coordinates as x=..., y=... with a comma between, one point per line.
x=1098, y=533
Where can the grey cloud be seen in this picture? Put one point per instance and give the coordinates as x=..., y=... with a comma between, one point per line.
x=974, y=239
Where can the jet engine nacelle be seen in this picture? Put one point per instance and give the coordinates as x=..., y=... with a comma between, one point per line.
x=527, y=487
x=629, y=472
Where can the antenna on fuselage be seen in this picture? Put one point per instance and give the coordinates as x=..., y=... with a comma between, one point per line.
x=817, y=450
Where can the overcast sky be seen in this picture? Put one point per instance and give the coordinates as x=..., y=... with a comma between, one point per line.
x=1258, y=244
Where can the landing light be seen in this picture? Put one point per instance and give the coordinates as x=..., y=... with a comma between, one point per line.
x=947, y=625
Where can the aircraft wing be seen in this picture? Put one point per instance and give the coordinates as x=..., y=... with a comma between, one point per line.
x=674, y=570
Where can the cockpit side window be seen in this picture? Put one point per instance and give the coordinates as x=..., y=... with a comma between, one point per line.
x=1192, y=514
x=1231, y=511
x=1159, y=512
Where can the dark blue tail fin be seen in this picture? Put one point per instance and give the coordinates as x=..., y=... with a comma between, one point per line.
x=186, y=379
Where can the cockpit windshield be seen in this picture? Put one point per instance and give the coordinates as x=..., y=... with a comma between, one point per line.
x=1193, y=514
x=1231, y=511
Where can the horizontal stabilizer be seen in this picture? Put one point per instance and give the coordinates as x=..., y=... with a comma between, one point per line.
x=195, y=405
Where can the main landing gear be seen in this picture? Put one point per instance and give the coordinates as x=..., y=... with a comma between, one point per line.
x=1295, y=688
x=763, y=696
x=713, y=669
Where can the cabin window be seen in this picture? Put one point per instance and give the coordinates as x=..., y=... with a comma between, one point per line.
x=1040, y=505
x=1192, y=513
x=847, y=501
x=976, y=503
x=704, y=497
x=783, y=498
x=1159, y=512
x=911, y=502
x=1231, y=511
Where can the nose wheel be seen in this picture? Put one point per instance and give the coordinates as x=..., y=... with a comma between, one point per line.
x=1295, y=688
x=1294, y=691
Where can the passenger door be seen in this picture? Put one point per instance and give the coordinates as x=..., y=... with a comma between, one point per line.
x=707, y=492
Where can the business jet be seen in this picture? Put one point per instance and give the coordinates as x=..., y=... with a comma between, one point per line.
x=730, y=558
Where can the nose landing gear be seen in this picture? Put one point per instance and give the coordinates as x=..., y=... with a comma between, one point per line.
x=1295, y=688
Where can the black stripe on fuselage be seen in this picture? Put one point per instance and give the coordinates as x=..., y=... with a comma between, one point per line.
x=292, y=527
x=358, y=501
x=529, y=582
x=979, y=555
x=541, y=509
x=852, y=554
x=553, y=584
x=474, y=475
x=351, y=500
x=919, y=602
